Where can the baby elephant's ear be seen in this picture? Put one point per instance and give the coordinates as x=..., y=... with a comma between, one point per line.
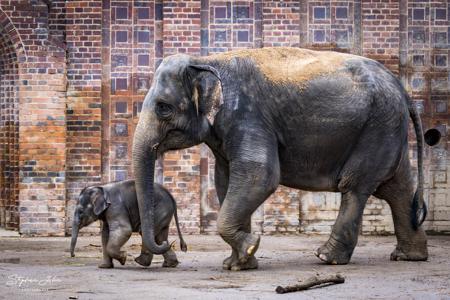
x=100, y=200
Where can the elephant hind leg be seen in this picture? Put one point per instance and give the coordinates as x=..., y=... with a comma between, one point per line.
x=399, y=193
x=170, y=258
x=360, y=176
x=344, y=236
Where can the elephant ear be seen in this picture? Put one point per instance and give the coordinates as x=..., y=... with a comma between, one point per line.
x=100, y=200
x=205, y=87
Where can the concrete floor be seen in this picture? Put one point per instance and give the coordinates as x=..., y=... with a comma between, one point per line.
x=41, y=268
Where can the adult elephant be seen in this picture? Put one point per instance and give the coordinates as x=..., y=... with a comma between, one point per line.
x=317, y=121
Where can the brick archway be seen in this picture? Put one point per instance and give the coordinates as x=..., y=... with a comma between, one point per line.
x=11, y=52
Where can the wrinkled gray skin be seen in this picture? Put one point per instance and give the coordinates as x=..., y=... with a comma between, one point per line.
x=345, y=131
x=116, y=205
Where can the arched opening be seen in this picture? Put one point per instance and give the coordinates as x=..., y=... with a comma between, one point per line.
x=9, y=132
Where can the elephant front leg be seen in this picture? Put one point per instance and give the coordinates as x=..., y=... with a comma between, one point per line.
x=118, y=236
x=344, y=236
x=232, y=262
x=252, y=180
x=146, y=257
x=107, y=262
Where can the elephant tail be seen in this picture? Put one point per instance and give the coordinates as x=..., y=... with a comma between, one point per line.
x=419, y=207
x=183, y=245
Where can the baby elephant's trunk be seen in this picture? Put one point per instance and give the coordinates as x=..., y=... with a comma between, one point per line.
x=75, y=229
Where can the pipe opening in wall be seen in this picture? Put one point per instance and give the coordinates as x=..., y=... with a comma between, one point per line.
x=432, y=137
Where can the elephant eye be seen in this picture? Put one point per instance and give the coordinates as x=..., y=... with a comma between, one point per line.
x=164, y=110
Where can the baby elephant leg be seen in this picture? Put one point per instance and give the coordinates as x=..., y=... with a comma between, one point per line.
x=170, y=258
x=146, y=257
x=107, y=260
x=118, y=236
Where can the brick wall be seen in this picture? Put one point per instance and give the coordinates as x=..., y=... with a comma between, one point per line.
x=9, y=129
x=380, y=22
x=40, y=87
x=84, y=102
x=426, y=75
x=79, y=71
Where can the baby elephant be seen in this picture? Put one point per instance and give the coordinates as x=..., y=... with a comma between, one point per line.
x=116, y=205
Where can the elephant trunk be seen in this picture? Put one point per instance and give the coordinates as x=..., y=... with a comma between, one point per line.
x=144, y=156
x=75, y=229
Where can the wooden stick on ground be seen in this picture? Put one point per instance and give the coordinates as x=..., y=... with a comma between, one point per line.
x=310, y=282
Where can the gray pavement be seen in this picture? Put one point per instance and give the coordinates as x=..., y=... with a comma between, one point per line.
x=41, y=268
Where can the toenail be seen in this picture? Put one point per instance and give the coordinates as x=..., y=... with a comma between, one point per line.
x=250, y=250
x=322, y=257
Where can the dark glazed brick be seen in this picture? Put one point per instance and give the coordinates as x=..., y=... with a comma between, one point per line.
x=121, y=151
x=121, y=175
x=143, y=13
x=441, y=107
x=319, y=36
x=143, y=60
x=441, y=14
x=341, y=36
x=158, y=11
x=242, y=12
x=121, y=13
x=121, y=36
x=440, y=38
x=258, y=11
x=120, y=129
x=418, y=60
x=418, y=36
x=440, y=60
x=119, y=61
x=418, y=14
x=121, y=107
x=220, y=12
x=142, y=84
x=143, y=36
x=204, y=37
x=220, y=36
x=159, y=48
x=341, y=12
x=137, y=107
x=417, y=83
x=242, y=36
x=121, y=84
x=319, y=12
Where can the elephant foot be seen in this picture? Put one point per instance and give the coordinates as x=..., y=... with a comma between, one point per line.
x=399, y=254
x=227, y=262
x=333, y=255
x=248, y=248
x=170, y=263
x=232, y=263
x=144, y=260
x=106, y=266
x=122, y=258
x=251, y=263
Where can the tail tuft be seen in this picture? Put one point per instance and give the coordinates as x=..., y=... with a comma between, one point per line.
x=418, y=214
x=183, y=245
